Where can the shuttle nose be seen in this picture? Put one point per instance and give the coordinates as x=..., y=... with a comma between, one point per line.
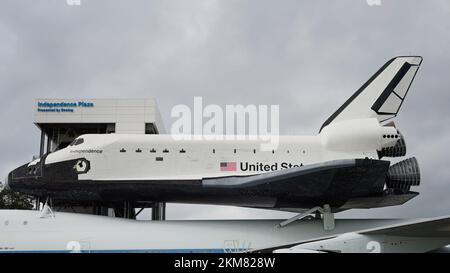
x=23, y=177
x=38, y=179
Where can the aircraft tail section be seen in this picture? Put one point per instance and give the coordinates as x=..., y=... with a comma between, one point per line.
x=382, y=95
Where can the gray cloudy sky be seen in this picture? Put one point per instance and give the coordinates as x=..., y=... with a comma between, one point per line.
x=306, y=56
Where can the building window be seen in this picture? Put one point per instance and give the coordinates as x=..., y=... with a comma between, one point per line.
x=123, y=150
x=214, y=151
x=234, y=150
x=254, y=151
x=159, y=158
x=182, y=151
x=152, y=151
x=138, y=151
x=165, y=151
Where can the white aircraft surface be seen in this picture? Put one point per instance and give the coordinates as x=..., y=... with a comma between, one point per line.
x=341, y=167
x=45, y=231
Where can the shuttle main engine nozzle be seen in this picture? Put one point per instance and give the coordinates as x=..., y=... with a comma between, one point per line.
x=404, y=174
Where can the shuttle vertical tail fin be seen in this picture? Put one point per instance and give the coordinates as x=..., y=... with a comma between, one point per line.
x=382, y=95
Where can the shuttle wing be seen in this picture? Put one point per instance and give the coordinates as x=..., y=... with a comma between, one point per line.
x=343, y=184
x=418, y=235
x=426, y=228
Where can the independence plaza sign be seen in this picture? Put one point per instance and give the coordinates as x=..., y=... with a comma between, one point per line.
x=60, y=107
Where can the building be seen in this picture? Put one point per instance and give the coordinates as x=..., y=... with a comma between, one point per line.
x=62, y=120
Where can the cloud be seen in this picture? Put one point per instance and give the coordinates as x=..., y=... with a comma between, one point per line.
x=306, y=56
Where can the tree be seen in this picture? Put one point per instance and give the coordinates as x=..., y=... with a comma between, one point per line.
x=13, y=200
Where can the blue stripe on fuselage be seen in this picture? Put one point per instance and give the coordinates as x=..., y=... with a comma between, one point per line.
x=128, y=251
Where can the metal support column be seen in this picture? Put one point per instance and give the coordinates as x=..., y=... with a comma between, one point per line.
x=42, y=148
x=328, y=218
x=37, y=203
x=49, y=144
x=159, y=211
x=128, y=210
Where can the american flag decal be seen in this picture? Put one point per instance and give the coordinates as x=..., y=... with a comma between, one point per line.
x=227, y=166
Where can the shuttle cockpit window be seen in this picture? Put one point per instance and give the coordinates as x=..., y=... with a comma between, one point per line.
x=77, y=141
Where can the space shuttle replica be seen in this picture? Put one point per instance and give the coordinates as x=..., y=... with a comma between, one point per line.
x=346, y=165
